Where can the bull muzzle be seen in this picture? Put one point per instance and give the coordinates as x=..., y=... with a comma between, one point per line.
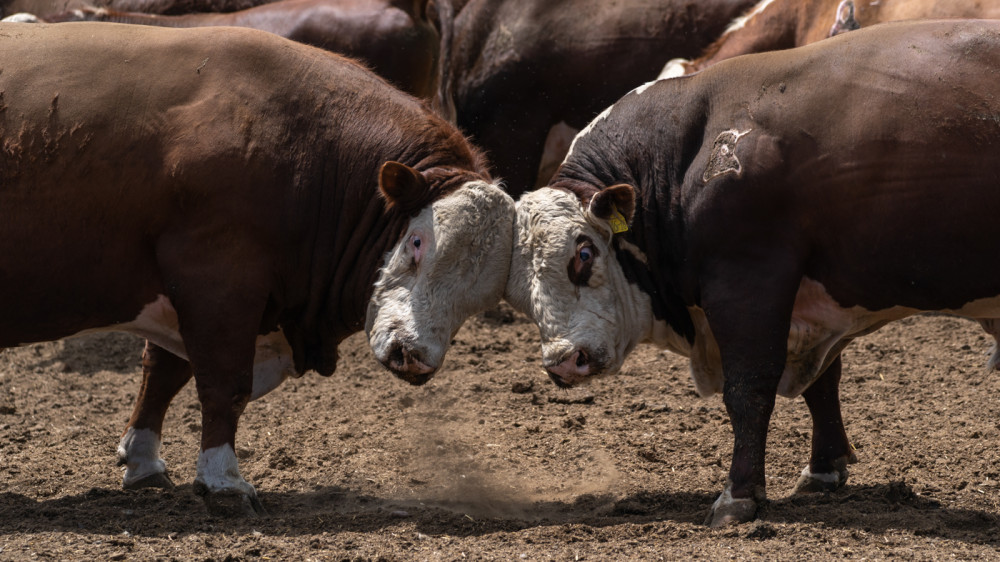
x=573, y=369
x=408, y=364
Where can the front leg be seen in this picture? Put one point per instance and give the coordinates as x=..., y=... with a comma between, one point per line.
x=220, y=302
x=218, y=479
x=831, y=450
x=749, y=310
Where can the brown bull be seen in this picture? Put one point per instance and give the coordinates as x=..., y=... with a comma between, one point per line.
x=394, y=37
x=244, y=203
x=783, y=24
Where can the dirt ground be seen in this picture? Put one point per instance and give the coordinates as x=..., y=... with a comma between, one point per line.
x=490, y=461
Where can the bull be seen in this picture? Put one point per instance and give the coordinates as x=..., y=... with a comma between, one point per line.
x=760, y=215
x=244, y=203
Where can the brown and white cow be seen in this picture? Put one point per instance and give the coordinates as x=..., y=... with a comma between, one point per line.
x=783, y=24
x=231, y=196
x=761, y=214
x=515, y=68
x=394, y=37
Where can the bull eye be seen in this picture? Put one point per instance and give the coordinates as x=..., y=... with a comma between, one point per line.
x=581, y=266
x=416, y=242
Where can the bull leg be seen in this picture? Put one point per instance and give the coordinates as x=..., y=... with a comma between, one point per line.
x=220, y=302
x=220, y=346
x=992, y=327
x=163, y=376
x=749, y=316
x=831, y=450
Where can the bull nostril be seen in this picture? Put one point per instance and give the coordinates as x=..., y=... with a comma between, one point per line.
x=396, y=355
x=581, y=358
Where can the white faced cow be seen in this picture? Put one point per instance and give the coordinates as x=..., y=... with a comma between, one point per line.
x=761, y=214
x=231, y=196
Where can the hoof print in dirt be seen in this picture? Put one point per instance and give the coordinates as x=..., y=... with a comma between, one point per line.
x=156, y=480
x=230, y=503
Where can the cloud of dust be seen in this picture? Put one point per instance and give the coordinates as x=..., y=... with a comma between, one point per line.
x=460, y=465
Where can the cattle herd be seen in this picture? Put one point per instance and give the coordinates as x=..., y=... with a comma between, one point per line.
x=244, y=197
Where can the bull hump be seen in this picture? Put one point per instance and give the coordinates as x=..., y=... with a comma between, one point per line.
x=723, y=159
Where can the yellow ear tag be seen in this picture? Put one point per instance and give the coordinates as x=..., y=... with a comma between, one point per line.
x=617, y=221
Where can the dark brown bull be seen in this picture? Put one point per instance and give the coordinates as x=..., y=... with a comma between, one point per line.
x=783, y=24
x=394, y=37
x=218, y=192
x=761, y=214
x=515, y=68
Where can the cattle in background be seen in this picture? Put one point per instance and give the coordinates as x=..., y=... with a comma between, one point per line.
x=515, y=68
x=44, y=8
x=782, y=24
x=222, y=190
x=394, y=37
x=722, y=216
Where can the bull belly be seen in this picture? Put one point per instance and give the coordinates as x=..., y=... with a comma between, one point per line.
x=820, y=329
x=157, y=322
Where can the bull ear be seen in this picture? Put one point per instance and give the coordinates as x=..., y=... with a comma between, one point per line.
x=614, y=204
x=402, y=186
x=845, y=19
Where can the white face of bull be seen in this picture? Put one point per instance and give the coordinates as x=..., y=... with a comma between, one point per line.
x=565, y=276
x=451, y=263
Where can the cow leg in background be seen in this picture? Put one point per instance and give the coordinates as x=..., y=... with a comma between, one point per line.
x=831, y=450
x=992, y=327
x=557, y=144
x=163, y=376
x=750, y=318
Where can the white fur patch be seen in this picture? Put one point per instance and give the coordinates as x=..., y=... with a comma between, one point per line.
x=675, y=68
x=272, y=363
x=827, y=477
x=600, y=117
x=741, y=22
x=21, y=17
x=140, y=448
x=608, y=317
x=466, y=242
x=219, y=471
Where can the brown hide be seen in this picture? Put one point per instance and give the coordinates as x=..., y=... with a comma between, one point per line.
x=784, y=24
x=44, y=8
x=394, y=38
x=518, y=67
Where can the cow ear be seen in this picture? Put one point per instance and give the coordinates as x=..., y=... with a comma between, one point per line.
x=845, y=19
x=614, y=204
x=402, y=186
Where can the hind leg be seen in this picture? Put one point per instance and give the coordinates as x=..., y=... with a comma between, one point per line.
x=992, y=327
x=831, y=450
x=163, y=376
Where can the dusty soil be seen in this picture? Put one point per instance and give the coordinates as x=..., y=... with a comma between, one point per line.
x=491, y=461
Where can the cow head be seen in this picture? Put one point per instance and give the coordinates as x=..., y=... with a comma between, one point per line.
x=451, y=262
x=565, y=275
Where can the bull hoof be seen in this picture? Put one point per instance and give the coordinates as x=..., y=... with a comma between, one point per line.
x=728, y=510
x=811, y=483
x=155, y=480
x=230, y=503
